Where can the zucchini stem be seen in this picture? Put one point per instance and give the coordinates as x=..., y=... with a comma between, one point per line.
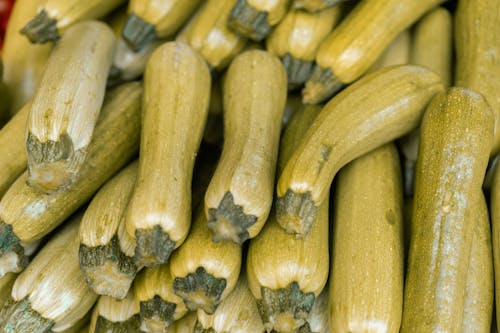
x=138, y=33
x=19, y=317
x=156, y=314
x=107, y=270
x=298, y=71
x=41, y=29
x=285, y=309
x=296, y=212
x=248, y=21
x=321, y=86
x=228, y=222
x=130, y=325
x=52, y=165
x=12, y=254
x=200, y=290
x=153, y=247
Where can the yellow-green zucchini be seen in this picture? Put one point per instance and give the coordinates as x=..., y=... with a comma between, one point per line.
x=111, y=315
x=477, y=48
x=495, y=224
x=431, y=48
x=184, y=325
x=204, y=272
x=174, y=113
x=152, y=19
x=54, y=17
x=366, y=285
x=479, y=294
x=27, y=215
x=296, y=40
x=6, y=283
x=358, y=41
x=65, y=108
x=255, y=18
x=13, y=159
x=286, y=274
x=207, y=32
x=51, y=293
x=159, y=305
x=397, y=53
x=359, y=119
x=315, y=5
x=455, y=142
x=239, y=197
x=107, y=269
x=237, y=313
x=23, y=62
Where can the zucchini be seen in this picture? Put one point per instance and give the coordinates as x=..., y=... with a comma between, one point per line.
x=255, y=18
x=174, y=113
x=54, y=17
x=286, y=274
x=107, y=269
x=159, y=305
x=359, y=119
x=479, y=294
x=51, y=293
x=315, y=5
x=358, y=41
x=296, y=39
x=367, y=267
x=240, y=194
x=204, y=272
x=23, y=62
x=455, y=142
x=27, y=215
x=65, y=108
x=237, y=313
x=113, y=315
x=207, y=32
x=13, y=149
x=477, y=51
x=155, y=19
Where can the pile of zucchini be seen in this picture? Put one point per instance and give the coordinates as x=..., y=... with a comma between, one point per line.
x=228, y=166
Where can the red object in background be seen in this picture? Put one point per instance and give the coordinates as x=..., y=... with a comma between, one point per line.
x=5, y=8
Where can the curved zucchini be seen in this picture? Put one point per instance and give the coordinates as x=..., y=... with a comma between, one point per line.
x=159, y=305
x=296, y=39
x=67, y=104
x=455, y=142
x=207, y=32
x=108, y=270
x=23, y=62
x=478, y=53
x=478, y=306
x=204, y=272
x=54, y=17
x=367, y=267
x=111, y=315
x=27, y=215
x=152, y=19
x=358, y=41
x=51, y=293
x=239, y=197
x=315, y=5
x=359, y=119
x=174, y=113
x=237, y=313
x=13, y=149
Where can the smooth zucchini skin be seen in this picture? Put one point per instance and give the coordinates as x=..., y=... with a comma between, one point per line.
x=455, y=143
x=366, y=279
